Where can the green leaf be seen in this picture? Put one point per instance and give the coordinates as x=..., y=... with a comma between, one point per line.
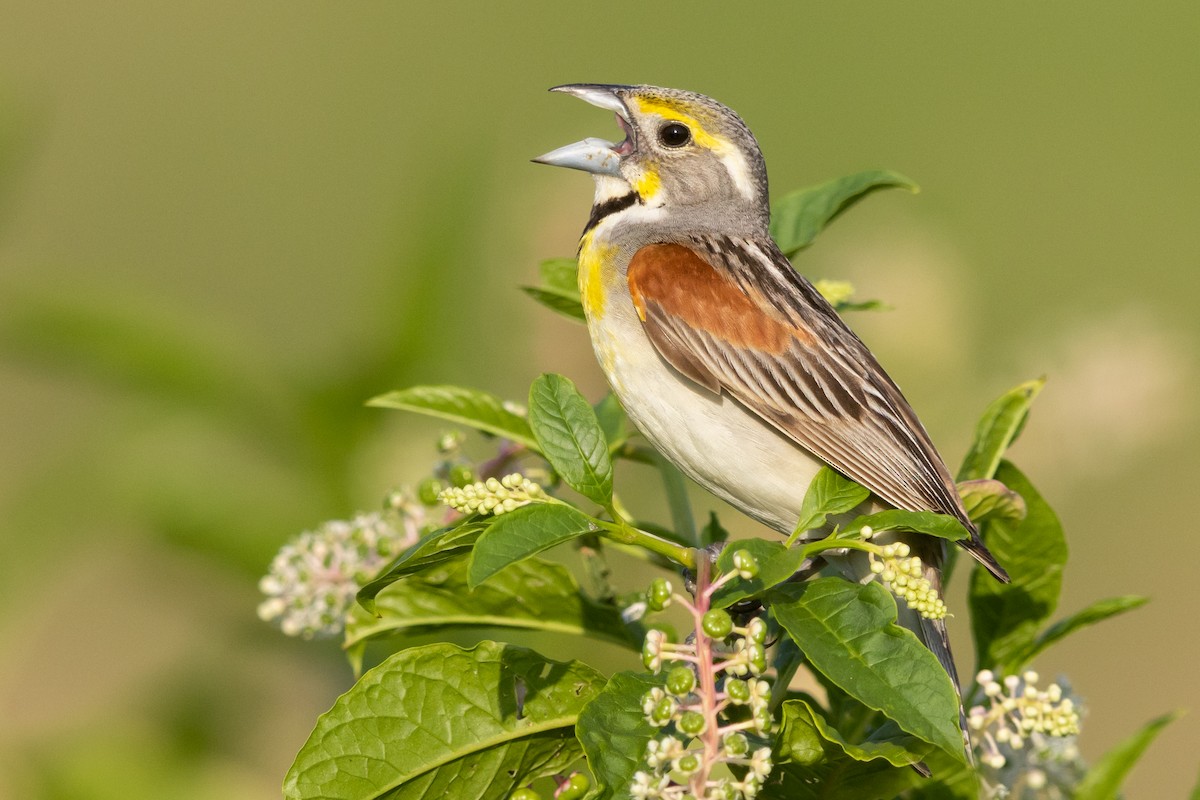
x=1103, y=780
x=839, y=294
x=927, y=522
x=800, y=216
x=1006, y=618
x=570, y=437
x=839, y=778
x=829, y=493
x=613, y=422
x=478, y=722
x=531, y=595
x=567, y=305
x=776, y=563
x=952, y=780
x=888, y=742
x=560, y=275
x=986, y=499
x=445, y=544
x=524, y=532
x=560, y=287
x=469, y=407
x=614, y=732
x=1097, y=612
x=998, y=428
x=849, y=634
x=713, y=531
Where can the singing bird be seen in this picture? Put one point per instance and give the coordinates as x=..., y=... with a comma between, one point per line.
x=724, y=356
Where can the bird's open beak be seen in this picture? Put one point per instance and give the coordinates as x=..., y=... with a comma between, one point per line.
x=598, y=156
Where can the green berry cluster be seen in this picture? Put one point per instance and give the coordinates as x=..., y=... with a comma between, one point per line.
x=698, y=706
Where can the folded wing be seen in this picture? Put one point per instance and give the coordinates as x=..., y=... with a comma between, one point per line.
x=732, y=315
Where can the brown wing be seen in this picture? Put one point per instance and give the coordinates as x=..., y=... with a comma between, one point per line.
x=732, y=315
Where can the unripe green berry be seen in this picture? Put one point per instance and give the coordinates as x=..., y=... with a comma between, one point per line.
x=574, y=788
x=658, y=596
x=729, y=791
x=756, y=630
x=688, y=764
x=461, y=475
x=428, y=491
x=664, y=711
x=745, y=564
x=692, y=723
x=525, y=793
x=756, y=655
x=736, y=744
x=738, y=690
x=680, y=681
x=717, y=623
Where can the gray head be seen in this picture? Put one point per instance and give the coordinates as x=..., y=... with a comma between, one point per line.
x=682, y=151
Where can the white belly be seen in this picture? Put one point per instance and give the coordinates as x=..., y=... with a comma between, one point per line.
x=713, y=439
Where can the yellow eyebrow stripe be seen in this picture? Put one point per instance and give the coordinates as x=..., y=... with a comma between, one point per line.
x=701, y=136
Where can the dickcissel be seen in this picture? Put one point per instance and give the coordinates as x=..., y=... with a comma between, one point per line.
x=723, y=355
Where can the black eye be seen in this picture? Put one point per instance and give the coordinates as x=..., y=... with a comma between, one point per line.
x=674, y=135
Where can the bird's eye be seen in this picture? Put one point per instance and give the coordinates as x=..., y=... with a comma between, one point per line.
x=674, y=134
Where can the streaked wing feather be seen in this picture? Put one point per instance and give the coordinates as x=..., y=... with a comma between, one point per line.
x=715, y=309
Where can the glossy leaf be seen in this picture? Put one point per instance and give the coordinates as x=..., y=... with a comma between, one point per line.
x=445, y=544
x=1006, y=618
x=986, y=499
x=800, y=216
x=1097, y=612
x=469, y=407
x=570, y=436
x=1103, y=781
x=838, y=777
x=849, y=634
x=614, y=732
x=889, y=743
x=927, y=522
x=998, y=428
x=776, y=563
x=524, y=532
x=530, y=595
x=478, y=722
x=829, y=493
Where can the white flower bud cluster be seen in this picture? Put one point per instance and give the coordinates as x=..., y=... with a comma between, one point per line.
x=312, y=581
x=903, y=576
x=493, y=496
x=1018, y=715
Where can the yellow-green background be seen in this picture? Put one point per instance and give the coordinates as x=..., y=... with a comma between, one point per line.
x=332, y=200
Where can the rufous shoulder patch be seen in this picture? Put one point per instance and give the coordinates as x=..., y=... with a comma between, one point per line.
x=682, y=284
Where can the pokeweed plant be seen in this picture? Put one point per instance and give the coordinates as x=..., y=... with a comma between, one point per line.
x=711, y=714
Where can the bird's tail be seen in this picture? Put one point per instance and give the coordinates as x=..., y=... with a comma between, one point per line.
x=933, y=633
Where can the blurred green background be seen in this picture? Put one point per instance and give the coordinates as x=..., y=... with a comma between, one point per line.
x=223, y=226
